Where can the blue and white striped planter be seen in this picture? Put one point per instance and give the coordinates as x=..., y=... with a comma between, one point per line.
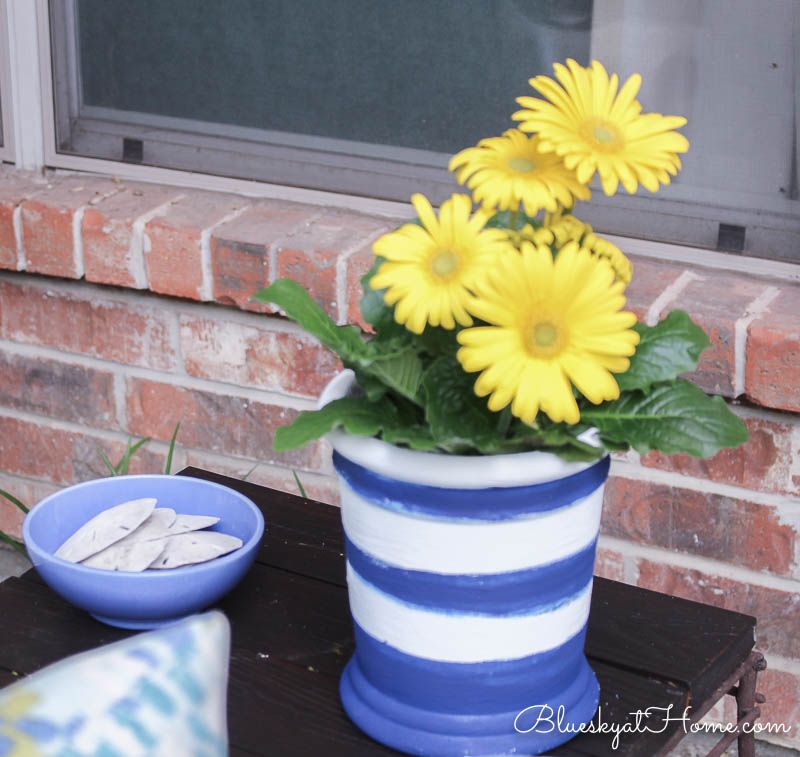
x=469, y=581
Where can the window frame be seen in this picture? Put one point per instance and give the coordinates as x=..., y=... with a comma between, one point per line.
x=7, y=152
x=633, y=218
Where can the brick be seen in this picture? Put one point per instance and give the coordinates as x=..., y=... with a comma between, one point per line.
x=650, y=279
x=64, y=457
x=309, y=255
x=609, y=564
x=259, y=357
x=112, y=250
x=15, y=188
x=772, y=376
x=44, y=315
x=358, y=265
x=322, y=489
x=47, y=224
x=712, y=525
x=57, y=389
x=782, y=706
x=777, y=611
x=763, y=463
x=240, y=251
x=715, y=302
x=28, y=492
x=172, y=242
x=215, y=422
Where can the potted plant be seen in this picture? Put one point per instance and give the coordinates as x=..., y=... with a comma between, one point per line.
x=471, y=431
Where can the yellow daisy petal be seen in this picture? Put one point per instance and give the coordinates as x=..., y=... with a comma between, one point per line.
x=430, y=272
x=512, y=170
x=592, y=126
x=553, y=323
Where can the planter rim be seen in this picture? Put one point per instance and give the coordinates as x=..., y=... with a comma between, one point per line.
x=441, y=469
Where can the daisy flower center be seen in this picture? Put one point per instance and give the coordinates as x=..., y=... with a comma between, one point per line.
x=603, y=136
x=521, y=164
x=545, y=337
x=444, y=264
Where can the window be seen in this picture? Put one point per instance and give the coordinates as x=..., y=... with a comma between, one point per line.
x=6, y=122
x=371, y=98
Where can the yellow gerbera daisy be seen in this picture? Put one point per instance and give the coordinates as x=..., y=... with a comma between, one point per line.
x=431, y=271
x=506, y=171
x=559, y=229
x=553, y=323
x=567, y=228
x=592, y=127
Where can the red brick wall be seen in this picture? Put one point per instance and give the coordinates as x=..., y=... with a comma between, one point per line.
x=126, y=308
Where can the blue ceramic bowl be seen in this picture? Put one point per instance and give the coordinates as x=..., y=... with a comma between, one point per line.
x=155, y=597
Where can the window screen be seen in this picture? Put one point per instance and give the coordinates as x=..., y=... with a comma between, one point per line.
x=371, y=97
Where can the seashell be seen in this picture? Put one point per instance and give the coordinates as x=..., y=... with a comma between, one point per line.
x=105, y=529
x=184, y=523
x=155, y=527
x=195, y=547
x=132, y=557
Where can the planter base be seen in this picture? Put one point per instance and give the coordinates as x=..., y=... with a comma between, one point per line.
x=423, y=732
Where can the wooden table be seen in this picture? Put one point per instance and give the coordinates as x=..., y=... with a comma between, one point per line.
x=292, y=636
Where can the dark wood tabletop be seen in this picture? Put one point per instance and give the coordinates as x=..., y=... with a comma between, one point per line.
x=292, y=635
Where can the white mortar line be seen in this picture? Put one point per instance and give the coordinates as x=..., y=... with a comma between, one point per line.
x=671, y=478
x=794, y=463
x=755, y=412
x=756, y=308
x=61, y=425
x=706, y=565
x=25, y=479
x=119, y=399
x=262, y=396
x=174, y=337
x=100, y=294
x=669, y=294
x=206, y=292
x=230, y=461
x=342, y=293
x=16, y=217
x=138, y=265
x=272, y=249
x=112, y=435
x=784, y=664
x=77, y=241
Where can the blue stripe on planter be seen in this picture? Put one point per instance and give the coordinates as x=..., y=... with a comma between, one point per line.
x=496, y=503
x=469, y=688
x=539, y=589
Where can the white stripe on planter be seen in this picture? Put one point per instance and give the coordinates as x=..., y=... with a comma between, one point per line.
x=453, y=548
x=458, y=637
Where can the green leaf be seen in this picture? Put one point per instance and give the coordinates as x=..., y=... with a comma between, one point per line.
x=436, y=341
x=168, y=466
x=121, y=468
x=250, y=472
x=287, y=294
x=393, y=361
x=14, y=543
x=110, y=467
x=459, y=421
x=508, y=219
x=666, y=350
x=374, y=309
x=673, y=417
x=558, y=438
x=11, y=498
x=416, y=436
x=396, y=366
x=353, y=414
x=299, y=485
